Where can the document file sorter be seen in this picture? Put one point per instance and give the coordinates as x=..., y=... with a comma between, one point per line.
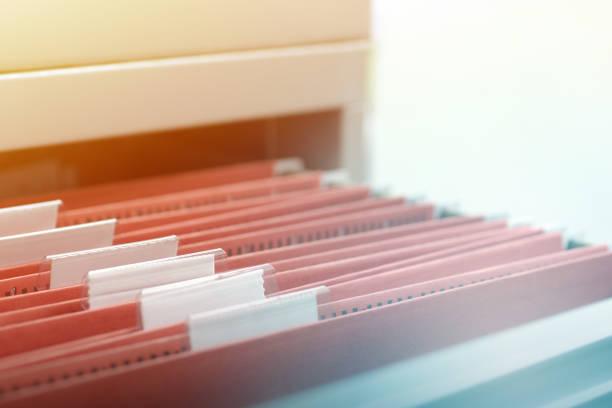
x=240, y=285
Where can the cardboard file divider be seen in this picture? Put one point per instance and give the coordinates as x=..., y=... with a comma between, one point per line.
x=294, y=250
x=437, y=227
x=354, y=343
x=370, y=246
x=130, y=315
x=59, y=329
x=318, y=199
x=249, y=320
x=315, y=230
x=75, y=304
x=430, y=287
x=34, y=299
x=379, y=219
x=485, y=241
x=445, y=319
x=351, y=266
x=329, y=213
x=29, y=283
x=90, y=344
x=416, y=212
x=326, y=269
x=106, y=359
x=29, y=218
x=187, y=213
x=20, y=270
x=117, y=285
x=481, y=258
x=416, y=244
x=191, y=198
x=27, y=269
x=331, y=244
x=42, y=295
x=400, y=285
x=166, y=184
x=69, y=293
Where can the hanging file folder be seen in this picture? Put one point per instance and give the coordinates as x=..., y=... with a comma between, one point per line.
x=239, y=286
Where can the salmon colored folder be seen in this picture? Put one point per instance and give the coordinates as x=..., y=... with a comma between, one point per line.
x=35, y=267
x=361, y=205
x=166, y=217
x=319, y=214
x=326, y=198
x=442, y=285
x=318, y=199
x=41, y=312
x=20, y=338
x=278, y=185
x=315, y=247
x=132, y=314
x=33, y=299
x=100, y=360
x=131, y=189
x=437, y=228
x=421, y=243
x=318, y=272
x=362, y=220
x=482, y=242
x=482, y=258
x=191, y=198
x=346, y=260
x=315, y=230
x=90, y=344
x=61, y=329
x=389, y=221
x=75, y=302
x=72, y=306
x=353, y=343
x=25, y=284
x=154, y=249
x=391, y=283
x=20, y=270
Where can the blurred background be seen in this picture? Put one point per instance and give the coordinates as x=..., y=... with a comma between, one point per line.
x=502, y=106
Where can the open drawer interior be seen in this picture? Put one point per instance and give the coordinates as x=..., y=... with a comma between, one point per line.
x=314, y=137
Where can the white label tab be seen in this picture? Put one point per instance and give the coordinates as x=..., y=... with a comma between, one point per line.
x=70, y=268
x=112, y=299
x=283, y=312
x=35, y=246
x=173, y=303
x=103, y=283
x=29, y=218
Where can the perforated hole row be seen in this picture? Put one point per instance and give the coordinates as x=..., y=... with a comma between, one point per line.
x=151, y=209
x=343, y=312
x=296, y=238
x=83, y=372
x=22, y=290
